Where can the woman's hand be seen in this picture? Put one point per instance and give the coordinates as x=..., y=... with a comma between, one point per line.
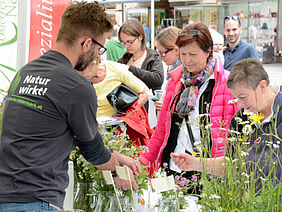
x=185, y=161
x=158, y=105
x=143, y=97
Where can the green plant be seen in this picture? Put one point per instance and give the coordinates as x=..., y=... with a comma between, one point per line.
x=244, y=185
x=87, y=173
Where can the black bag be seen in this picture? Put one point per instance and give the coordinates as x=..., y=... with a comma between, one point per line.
x=122, y=98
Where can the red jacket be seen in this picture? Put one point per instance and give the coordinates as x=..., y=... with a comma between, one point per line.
x=137, y=124
x=220, y=115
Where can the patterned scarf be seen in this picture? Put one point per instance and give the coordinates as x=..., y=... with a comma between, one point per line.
x=187, y=101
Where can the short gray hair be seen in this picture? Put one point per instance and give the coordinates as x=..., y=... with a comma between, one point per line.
x=249, y=72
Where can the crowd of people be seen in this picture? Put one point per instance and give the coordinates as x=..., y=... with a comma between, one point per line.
x=203, y=76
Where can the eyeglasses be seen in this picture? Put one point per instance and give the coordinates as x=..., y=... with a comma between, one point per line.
x=128, y=42
x=234, y=17
x=102, y=48
x=190, y=32
x=163, y=54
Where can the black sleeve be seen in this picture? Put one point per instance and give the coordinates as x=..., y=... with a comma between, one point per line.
x=153, y=77
x=94, y=151
x=79, y=107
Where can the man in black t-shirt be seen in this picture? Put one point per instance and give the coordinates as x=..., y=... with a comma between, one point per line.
x=50, y=107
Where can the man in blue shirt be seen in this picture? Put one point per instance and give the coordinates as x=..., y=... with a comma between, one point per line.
x=237, y=49
x=147, y=31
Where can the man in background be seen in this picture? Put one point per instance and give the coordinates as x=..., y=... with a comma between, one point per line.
x=237, y=49
x=115, y=50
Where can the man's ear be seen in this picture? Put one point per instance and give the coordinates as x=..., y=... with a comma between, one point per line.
x=241, y=29
x=86, y=44
x=262, y=85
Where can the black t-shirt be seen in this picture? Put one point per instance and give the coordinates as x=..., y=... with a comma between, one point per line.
x=48, y=106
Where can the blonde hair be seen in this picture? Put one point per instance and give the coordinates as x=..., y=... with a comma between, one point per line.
x=167, y=37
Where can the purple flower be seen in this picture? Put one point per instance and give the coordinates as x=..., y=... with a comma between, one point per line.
x=194, y=178
x=182, y=183
x=176, y=177
x=165, y=164
x=183, y=179
x=103, y=129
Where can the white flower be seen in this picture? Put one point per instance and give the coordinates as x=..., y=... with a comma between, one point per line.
x=247, y=143
x=235, y=132
x=235, y=160
x=244, y=122
x=247, y=129
x=278, y=142
x=263, y=179
x=223, y=129
x=244, y=154
x=245, y=174
x=248, y=113
x=232, y=139
x=238, y=119
x=247, y=182
x=214, y=196
x=275, y=146
x=204, y=114
x=233, y=101
x=226, y=158
x=197, y=143
x=208, y=126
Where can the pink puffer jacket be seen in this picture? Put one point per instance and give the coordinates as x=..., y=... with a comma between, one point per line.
x=220, y=115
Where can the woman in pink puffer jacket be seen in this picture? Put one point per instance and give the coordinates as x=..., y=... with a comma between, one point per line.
x=196, y=88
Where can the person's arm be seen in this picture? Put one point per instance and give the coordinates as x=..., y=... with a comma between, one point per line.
x=143, y=97
x=152, y=78
x=99, y=155
x=187, y=162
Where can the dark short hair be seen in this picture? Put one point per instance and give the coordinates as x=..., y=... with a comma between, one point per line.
x=234, y=17
x=133, y=27
x=197, y=32
x=83, y=19
x=249, y=72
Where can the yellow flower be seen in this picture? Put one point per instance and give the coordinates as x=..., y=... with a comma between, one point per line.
x=240, y=139
x=223, y=164
x=256, y=117
x=194, y=154
x=70, y=157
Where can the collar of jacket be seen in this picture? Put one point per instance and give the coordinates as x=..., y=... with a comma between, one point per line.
x=151, y=55
x=176, y=73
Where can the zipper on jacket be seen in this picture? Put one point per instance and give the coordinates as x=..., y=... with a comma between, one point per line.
x=211, y=108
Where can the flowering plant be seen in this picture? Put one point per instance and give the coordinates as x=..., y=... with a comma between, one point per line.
x=87, y=173
x=245, y=186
